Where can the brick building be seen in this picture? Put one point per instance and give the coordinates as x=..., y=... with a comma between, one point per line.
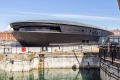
x=6, y=37
x=116, y=31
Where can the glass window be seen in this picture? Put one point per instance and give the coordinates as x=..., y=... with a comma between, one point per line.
x=111, y=40
x=116, y=37
x=82, y=30
x=90, y=30
x=111, y=37
x=41, y=28
x=116, y=40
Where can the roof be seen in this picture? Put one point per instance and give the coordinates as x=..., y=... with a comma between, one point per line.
x=58, y=22
x=63, y=22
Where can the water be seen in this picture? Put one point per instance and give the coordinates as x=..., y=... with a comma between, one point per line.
x=52, y=74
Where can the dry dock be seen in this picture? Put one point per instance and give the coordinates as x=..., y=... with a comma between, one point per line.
x=27, y=62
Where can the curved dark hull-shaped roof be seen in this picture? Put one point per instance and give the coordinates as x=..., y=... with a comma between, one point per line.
x=57, y=22
x=32, y=34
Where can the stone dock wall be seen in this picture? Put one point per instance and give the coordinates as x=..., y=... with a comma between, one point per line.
x=109, y=71
x=27, y=62
x=70, y=61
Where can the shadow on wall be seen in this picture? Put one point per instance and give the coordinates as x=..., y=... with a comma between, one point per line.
x=90, y=66
x=87, y=60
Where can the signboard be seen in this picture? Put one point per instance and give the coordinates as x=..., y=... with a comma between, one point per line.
x=23, y=49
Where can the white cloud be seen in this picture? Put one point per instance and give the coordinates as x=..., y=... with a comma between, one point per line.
x=60, y=15
x=85, y=17
x=75, y=16
x=8, y=28
x=12, y=15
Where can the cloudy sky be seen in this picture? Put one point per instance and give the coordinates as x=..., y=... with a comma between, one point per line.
x=101, y=13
